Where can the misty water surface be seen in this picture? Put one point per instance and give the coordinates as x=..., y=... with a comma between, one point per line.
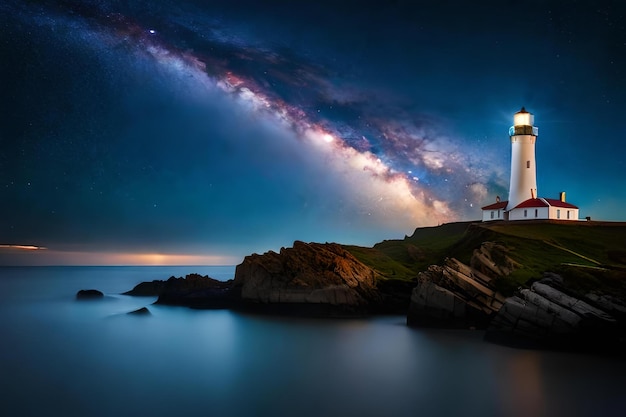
x=61, y=357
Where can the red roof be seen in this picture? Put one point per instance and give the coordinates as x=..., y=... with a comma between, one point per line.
x=544, y=202
x=533, y=202
x=496, y=206
x=558, y=203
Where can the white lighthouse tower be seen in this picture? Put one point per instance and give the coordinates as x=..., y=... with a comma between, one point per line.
x=524, y=203
x=523, y=135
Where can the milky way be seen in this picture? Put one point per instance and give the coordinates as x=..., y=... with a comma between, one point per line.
x=298, y=95
x=178, y=128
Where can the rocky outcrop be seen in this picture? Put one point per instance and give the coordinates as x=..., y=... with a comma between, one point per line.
x=545, y=316
x=395, y=296
x=143, y=311
x=453, y=295
x=147, y=288
x=308, y=275
x=458, y=295
x=612, y=305
x=194, y=290
x=491, y=261
x=89, y=295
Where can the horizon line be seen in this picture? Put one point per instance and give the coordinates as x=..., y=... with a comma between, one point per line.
x=113, y=265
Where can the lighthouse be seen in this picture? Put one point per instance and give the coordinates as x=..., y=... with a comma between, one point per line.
x=523, y=202
x=523, y=136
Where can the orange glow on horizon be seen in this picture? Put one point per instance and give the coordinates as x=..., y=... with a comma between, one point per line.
x=23, y=247
x=30, y=255
x=166, y=259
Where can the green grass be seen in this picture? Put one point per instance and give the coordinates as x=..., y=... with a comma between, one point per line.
x=405, y=258
x=383, y=263
x=594, y=241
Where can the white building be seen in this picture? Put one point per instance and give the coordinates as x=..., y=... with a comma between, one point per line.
x=523, y=202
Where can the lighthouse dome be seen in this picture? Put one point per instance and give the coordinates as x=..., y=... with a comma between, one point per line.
x=523, y=118
x=523, y=124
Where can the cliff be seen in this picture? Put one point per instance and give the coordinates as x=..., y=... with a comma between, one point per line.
x=308, y=276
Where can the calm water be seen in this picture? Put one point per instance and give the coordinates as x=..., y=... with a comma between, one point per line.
x=60, y=357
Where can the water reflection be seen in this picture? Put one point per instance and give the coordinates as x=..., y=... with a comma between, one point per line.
x=521, y=391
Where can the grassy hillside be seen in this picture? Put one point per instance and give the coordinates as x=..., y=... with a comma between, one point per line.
x=587, y=254
x=403, y=259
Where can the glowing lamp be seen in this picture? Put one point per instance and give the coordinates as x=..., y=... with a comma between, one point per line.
x=523, y=118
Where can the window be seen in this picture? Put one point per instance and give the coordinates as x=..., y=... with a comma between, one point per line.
x=525, y=213
x=536, y=213
x=492, y=214
x=498, y=213
x=527, y=164
x=568, y=214
x=558, y=213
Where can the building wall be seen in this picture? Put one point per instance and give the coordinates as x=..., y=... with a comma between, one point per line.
x=489, y=215
x=529, y=213
x=560, y=213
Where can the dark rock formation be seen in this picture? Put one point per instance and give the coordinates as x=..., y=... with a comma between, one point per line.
x=307, y=278
x=143, y=311
x=548, y=317
x=610, y=304
x=192, y=291
x=459, y=295
x=147, y=289
x=395, y=296
x=199, y=292
x=89, y=295
x=453, y=295
x=491, y=261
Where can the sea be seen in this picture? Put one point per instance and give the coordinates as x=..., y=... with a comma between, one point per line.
x=63, y=357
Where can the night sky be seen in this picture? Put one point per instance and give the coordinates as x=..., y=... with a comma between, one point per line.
x=197, y=132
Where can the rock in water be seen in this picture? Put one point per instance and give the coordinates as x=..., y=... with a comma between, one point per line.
x=89, y=294
x=147, y=289
x=198, y=291
x=194, y=290
x=308, y=274
x=143, y=311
